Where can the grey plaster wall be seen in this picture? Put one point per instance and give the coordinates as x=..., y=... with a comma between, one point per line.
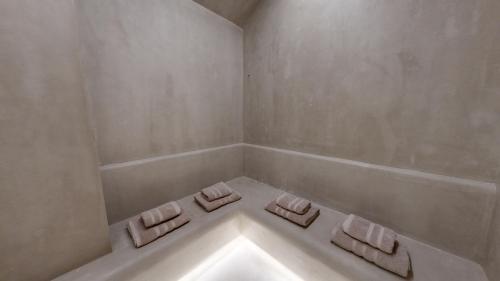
x=492, y=264
x=493, y=72
x=136, y=186
x=164, y=76
x=406, y=84
x=399, y=83
x=236, y=11
x=52, y=213
x=450, y=213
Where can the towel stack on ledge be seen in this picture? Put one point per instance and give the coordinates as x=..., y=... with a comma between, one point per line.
x=372, y=242
x=153, y=224
x=216, y=196
x=295, y=209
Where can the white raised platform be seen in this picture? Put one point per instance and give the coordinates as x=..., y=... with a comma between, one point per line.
x=306, y=252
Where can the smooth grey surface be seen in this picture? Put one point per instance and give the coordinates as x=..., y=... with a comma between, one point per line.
x=52, y=215
x=131, y=188
x=409, y=84
x=236, y=11
x=263, y=228
x=164, y=76
x=412, y=84
x=492, y=265
x=450, y=213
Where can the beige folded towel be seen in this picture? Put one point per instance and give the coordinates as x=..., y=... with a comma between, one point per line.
x=160, y=214
x=366, y=231
x=293, y=203
x=142, y=235
x=216, y=191
x=212, y=205
x=303, y=220
x=399, y=262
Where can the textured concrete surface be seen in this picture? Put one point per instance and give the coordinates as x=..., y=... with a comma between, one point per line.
x=137, y=186
x=308, y=252
x=493, y=264
x=164, y=76
x=450, y=213
x=412, y=84
x=404, y=84
x=52, y=215
x=236, y=11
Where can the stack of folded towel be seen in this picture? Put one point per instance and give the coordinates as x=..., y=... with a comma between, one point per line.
x=216, y=196
x=372, y=242
x=294, y=209
x=153, y=224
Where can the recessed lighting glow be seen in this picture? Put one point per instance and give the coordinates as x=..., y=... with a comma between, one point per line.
x=240, y=260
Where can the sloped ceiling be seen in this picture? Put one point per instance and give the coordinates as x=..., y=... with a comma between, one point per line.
x=236, y=11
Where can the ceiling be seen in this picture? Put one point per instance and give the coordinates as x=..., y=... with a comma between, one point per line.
x=236, y=11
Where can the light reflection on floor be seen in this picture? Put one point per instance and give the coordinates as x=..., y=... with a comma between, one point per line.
x=241, y=260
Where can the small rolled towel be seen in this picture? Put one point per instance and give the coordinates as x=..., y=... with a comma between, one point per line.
x=216, y=191
x=374, y=234
x=303, y=220
x=215, y=204
x=160, y=214
x=142, y=235
x=398, y=262
x=293, y=203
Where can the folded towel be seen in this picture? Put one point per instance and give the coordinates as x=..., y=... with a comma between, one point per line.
x=365, y=231
x=142, y=235
x=293, y=203
x=399, y=262
x=160, y=214
x=216, y=191
x=212, y=205
x=303, y=220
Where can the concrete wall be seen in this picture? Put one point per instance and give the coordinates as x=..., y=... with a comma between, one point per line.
x=236, y=11
x=164, y=77
x=138, y=185
x=493, y=74
x=450, y=213
x=402, y=84
x=405, y=84
x=492, y=264
x=52, y=213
